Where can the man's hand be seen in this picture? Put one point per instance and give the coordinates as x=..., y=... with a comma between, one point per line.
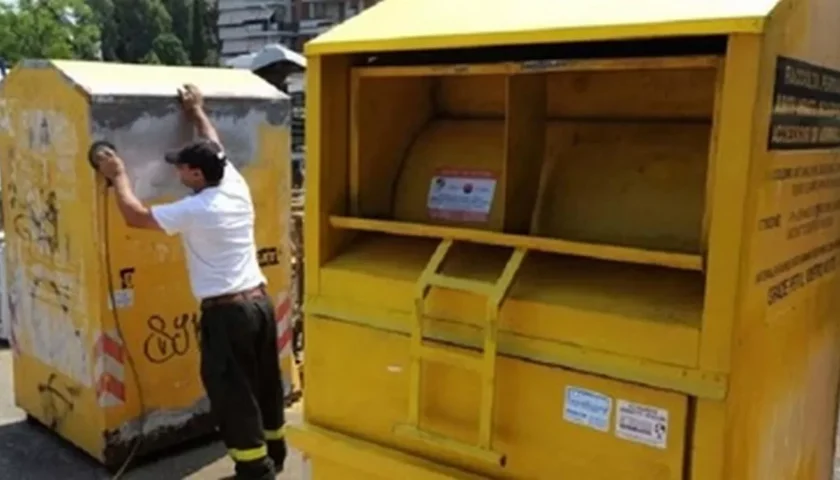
x=112, y=167
x=191, y=100
x=109, y=163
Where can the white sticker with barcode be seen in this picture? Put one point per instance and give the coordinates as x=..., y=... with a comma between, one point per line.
x=641, y=423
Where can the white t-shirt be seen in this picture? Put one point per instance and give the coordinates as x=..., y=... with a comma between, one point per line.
x=217, y=228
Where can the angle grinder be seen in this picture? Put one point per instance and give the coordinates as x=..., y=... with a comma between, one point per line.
x=94, y=150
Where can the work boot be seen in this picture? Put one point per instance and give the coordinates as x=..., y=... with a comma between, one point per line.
x=277, y=450
x=262, y=469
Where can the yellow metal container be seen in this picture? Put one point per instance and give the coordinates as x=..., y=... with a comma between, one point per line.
x=565, y=239
x=106, y=378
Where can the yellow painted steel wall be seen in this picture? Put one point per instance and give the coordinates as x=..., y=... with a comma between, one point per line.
x=52, y=258
x=369, y=281
x=780, y=416
x=72, y=362
x=161, y=326
x=529, y=423
x=737, y=340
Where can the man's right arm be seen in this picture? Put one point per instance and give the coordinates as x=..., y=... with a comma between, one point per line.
x=203, y=125
x=193, y=104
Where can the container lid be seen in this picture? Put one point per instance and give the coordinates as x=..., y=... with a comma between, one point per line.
x=120, y=79
x=395, y=25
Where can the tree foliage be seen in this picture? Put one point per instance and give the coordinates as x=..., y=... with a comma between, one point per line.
x=172, y=32
x=48, y=29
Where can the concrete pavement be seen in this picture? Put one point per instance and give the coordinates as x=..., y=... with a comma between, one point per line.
x=30, y=452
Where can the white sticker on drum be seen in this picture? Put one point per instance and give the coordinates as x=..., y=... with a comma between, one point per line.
x=461, y=195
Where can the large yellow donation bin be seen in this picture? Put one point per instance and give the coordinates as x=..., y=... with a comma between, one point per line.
x=104, y=325
x=573, y=240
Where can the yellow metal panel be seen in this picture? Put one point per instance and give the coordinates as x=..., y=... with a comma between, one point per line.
x=429, y=24
x=726, y=214
x=781, y=410
x=376, y=147
x=327, y=150
x=749, y=328
x=525, y=149
x=51, y=257
x=529, y=417
x=335, y=456
x=708, y=440
x=549, y=292
x=679, y=261
x=480, y=74
x=626, y=183
x=93, y=372
x=471, y=96
x=667, y=90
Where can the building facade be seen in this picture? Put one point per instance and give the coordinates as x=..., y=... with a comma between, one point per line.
x=248, y=25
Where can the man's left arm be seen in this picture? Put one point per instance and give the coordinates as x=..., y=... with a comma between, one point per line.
x=133, y=211
x=172, y=218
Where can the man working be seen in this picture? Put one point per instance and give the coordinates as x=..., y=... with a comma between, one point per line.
x=239, y=359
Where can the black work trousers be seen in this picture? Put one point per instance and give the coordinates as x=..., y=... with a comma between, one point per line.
x=240, y=369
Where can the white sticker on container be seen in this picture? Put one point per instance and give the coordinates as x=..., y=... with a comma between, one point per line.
x=461, y=195
x=587, y=408
x=123, y=298
x=641, y=424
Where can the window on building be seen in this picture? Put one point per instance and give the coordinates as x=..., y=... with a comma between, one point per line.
x=319, y=9
x=278, y=17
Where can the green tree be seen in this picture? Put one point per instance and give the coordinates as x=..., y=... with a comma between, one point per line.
x=150, y=58
x=169, y=50
x=172, y=32
x=48, y=29
x=139, y=23
x=205, y=33
x=104, y=12
x=181, y=13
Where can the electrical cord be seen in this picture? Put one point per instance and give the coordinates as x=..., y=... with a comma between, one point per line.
x=138, y=441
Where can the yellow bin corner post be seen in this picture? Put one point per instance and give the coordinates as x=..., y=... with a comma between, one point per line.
x=103, y=323
x=576, y=240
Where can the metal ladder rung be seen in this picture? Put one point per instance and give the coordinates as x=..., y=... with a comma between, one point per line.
x=484, y=363
x=464, y=449
x=465, y=285
x=465, y=360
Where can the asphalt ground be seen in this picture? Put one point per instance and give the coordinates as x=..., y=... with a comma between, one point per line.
x=32, y=452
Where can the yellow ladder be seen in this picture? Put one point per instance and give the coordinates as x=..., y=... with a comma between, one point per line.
x=484, y=364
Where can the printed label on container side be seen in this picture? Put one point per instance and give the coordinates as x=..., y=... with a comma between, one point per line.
x=461, y=195
x=587, y=408
x=641, y=423
x=124, y=298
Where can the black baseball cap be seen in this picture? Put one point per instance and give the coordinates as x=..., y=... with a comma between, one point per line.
x=197, y=153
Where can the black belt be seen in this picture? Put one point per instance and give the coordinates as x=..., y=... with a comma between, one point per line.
x=228, y=298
